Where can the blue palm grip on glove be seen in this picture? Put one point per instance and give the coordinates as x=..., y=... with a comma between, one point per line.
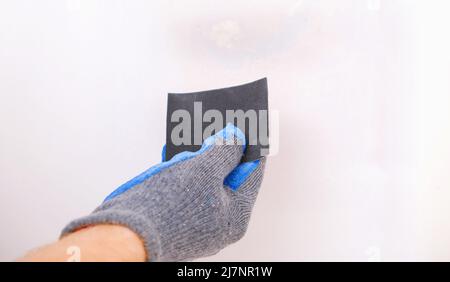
x=233, y=180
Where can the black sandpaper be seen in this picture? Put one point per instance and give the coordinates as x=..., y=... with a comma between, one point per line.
x=250, y=96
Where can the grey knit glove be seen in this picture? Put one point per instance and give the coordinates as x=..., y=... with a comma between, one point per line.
x=189, y=207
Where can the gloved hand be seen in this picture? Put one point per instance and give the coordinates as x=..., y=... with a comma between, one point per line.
x=190, y=206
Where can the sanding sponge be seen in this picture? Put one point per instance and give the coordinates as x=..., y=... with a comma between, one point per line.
x=190, y=115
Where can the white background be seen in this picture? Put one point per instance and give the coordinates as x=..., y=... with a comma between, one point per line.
x=362, y=88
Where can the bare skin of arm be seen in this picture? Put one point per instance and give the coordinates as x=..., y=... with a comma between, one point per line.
x=102, y=243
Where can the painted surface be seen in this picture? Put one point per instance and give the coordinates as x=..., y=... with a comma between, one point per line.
x=361, y=88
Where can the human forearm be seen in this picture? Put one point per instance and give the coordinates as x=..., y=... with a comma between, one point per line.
x=94, y=243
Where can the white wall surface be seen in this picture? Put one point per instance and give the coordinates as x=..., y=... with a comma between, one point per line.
x=362, y=88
